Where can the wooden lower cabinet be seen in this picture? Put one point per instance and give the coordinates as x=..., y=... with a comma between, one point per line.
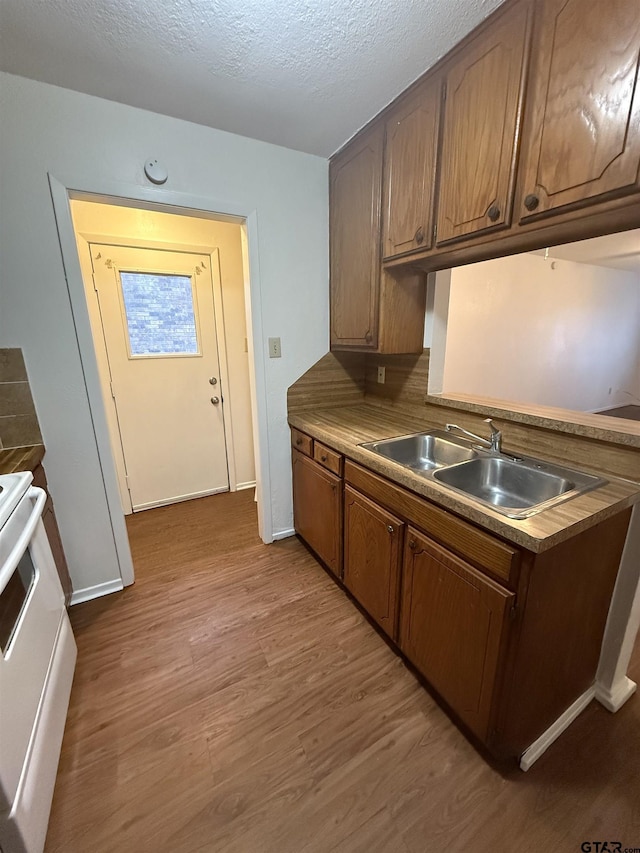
x=508, y=638
x=372, y=557
x=317, y=509
x=453, y=627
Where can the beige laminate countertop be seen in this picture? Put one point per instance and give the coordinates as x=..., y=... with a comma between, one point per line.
x=21, y=458
x=344, y=429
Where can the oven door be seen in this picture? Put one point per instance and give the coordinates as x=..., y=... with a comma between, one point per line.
x=31, y=610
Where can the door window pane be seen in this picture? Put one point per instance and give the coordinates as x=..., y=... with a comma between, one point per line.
x=160, y=315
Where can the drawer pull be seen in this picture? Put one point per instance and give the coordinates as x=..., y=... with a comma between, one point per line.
x=298, y=441
x=323, y=458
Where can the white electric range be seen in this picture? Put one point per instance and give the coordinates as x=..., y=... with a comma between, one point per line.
x=37, y=660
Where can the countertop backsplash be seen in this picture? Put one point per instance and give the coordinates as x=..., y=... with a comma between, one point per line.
x=18, y=420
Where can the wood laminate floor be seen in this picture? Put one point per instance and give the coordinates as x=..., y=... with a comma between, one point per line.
x=234, y=700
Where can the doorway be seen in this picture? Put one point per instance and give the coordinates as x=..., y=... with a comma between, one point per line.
x=161, y=340
x=180, y=418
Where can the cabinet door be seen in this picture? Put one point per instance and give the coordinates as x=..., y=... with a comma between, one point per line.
x=584, y=115
x=355, y=198
x=481, y=125
x=411, y=147
x=452, y=623
x=372, y=555
x=317, y=510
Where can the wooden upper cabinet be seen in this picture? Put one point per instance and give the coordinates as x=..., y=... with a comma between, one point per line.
x=452, y=626
x=411, y=148
x=583, y=125
x=355, y=186
x=372, y=557
x=484, y=89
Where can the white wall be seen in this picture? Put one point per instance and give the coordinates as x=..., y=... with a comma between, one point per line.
x=80, y=139
x=634, y=395
x=519, y=329
x=145, y=227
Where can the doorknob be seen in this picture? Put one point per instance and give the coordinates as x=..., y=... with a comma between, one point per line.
x=215, y=400
x=213, y=381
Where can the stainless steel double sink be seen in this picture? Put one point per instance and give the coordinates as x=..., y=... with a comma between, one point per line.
x=517, y=487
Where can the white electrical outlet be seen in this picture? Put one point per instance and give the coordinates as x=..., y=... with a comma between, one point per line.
x=381, y=374
x=275, y=350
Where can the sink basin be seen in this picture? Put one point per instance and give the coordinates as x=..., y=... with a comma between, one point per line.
x=423, y=451
x=516, y=488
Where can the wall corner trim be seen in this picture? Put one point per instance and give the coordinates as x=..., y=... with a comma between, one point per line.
x=283, y=534
x=542, y=744
x=97, y=591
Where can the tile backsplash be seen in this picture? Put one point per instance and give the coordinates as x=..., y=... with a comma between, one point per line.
x=18, y=421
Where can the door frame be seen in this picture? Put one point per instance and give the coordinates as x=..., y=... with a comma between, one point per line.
x=164, y=201
x=86, y=240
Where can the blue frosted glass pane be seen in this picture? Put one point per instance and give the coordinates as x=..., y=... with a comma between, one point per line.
x=159, y=311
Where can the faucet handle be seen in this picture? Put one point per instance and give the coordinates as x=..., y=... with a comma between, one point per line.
x=496, y=436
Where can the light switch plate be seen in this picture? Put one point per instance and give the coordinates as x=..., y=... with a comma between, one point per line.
x=275, y=350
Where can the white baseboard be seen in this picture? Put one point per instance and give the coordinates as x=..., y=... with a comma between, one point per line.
x=100, y=589
x=613, y=699
x=241, y=486
x=539, y=746
x=284, y=534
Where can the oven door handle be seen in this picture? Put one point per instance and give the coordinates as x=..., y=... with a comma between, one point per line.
x=39, y=496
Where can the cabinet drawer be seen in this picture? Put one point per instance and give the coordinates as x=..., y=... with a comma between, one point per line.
x=328, y=458
x=302, y=442
x=482, y=550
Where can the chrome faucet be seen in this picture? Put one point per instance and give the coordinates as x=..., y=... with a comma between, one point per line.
x=494, y=442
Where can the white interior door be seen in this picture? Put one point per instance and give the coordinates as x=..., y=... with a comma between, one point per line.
x=158, y=320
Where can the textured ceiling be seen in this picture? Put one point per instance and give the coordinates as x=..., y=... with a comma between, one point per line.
x=305, y=74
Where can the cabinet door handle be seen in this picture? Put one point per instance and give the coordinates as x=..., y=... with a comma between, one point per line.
x=390, y=528
x=413, y=544
x=368, y=337
x=531, y=201
x=419, y=237
x=494, y=212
